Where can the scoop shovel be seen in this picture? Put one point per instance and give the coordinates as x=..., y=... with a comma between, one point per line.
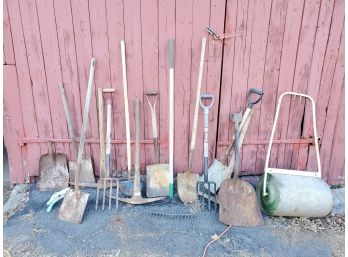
x=237, y=198
x=74, y=203
x=137, y=198
x=53, y=169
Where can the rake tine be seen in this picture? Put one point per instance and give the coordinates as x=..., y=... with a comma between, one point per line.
x=110, y=195
x=117, y=195
x=104, y=193
x=96, y=202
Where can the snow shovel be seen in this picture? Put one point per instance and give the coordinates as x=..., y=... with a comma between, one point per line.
x=218, y=171
x=53, y=170
x=237, y=198
x=157, y=183
x=87, y=174
x=74, y=203
x=187, y=181
x=137, y=198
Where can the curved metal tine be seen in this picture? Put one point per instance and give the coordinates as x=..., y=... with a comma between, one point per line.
x=97, y=199
x=117, y=191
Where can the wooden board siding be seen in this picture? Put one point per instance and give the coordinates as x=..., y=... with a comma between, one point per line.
x=286, y=45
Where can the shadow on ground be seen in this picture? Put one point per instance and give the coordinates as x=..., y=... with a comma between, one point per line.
x=158, y=229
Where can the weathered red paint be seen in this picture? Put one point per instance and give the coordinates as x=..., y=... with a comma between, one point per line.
x=286, y=45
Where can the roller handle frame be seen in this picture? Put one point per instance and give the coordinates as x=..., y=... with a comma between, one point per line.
x=154, y=121
x=295, y=172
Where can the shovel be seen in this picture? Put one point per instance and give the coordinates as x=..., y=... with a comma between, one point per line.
x=87, y=175
x=157, y=183
x=187, y=181
x=137, y=198
x=237, y=198
x=53, y=170
x=74, y=203
x=218, y=171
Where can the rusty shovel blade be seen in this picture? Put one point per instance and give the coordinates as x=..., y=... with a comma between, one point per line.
x=187, y=186
x=238, y=204
x=157, y=180
x=73, y=207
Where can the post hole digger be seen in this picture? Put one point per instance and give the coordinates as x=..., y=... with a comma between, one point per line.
x=157, y=183
x=74, y=203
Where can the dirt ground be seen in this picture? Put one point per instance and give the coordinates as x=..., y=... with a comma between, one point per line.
x=166, y=228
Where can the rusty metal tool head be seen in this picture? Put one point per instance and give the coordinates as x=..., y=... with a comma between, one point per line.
x=237, y=198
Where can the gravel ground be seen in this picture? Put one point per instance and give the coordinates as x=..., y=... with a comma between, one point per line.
x=137, y=231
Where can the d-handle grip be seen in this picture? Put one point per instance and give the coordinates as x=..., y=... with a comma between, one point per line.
x=252, y=101
x=205, y=97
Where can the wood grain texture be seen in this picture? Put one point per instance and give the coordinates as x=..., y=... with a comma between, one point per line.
x=13, y=124
x=25, y=90
x=149, y=48
x=327, y=75
x=102, y=77
x=115, y=27
x=182, y=80
x=166, y=30
x=287, y=45
x=133, y=35
x=50, y=49
x=9, y=57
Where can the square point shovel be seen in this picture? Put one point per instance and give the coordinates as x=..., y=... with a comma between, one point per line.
x=74, y=203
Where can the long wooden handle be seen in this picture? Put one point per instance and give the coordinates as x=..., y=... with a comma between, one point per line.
x=101, y=134
x=171, y=116
x=68, y=118
x=108, y=138
x=126, y=109
x=136, y=189
x=195, y=117
x=84, y=123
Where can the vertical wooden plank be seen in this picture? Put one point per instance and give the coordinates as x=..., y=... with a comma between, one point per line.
x=13, y=126
x=116, y=34
x=327, y=74
x=8, y=45
x=301, y=77
x=255, y=76
x=336, y=168
x=36, y=69
x=149, y=43
x=50, y=50
x=321, y=41
x=214, y=54
x=270, y=79
x=132, y=21
x=227, y=75
x=331, y=113
x=287, y=67
x=182, y=79
x=166, y=30
x=25, y=87
x=100, y=46
x=200, y=20
x=83, y=48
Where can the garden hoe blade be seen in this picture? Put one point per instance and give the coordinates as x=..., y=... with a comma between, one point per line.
x=237, y=198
